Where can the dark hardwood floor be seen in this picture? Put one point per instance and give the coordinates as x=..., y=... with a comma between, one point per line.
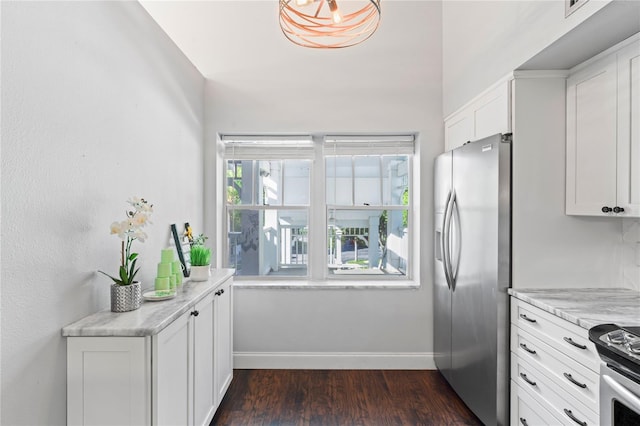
x=341, y=397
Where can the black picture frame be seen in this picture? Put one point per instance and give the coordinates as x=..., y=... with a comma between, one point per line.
x=183, y=247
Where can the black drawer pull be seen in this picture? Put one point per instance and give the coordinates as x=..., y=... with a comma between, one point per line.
x=574, y=418
x=195, y=313
x=524, y=346
x=524, y=421
x=571, y=342
x=570, y=378
x=526, y=379
x=526, y=318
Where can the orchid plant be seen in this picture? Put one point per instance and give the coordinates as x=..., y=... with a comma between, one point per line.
x=128, y=231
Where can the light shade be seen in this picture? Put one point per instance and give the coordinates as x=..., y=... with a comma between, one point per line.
x=329, y=24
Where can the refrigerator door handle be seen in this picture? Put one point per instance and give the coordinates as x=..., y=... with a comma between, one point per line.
x=446, y=230
x=445, y=242
x=454, y=261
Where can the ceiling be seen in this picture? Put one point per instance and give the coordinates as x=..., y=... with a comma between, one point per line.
x=221, y=35
x=215, y=33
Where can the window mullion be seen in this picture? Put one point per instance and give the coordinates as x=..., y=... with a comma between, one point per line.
x=317, y=218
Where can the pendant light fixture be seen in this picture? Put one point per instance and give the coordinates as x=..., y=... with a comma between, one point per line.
x=329, y=24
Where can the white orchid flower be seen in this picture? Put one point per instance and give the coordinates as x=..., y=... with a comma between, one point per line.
x=129, y=230
x=116, y=228
x=140, y=235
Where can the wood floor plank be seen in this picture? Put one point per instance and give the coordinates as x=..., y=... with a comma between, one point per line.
x=341, y=397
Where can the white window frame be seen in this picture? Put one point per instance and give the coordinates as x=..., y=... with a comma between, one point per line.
x=315, y=148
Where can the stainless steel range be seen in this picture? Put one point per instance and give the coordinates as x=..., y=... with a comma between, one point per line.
x=619, y=348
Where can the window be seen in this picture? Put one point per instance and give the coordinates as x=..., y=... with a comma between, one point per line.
x=322, y=207
x=367, y=198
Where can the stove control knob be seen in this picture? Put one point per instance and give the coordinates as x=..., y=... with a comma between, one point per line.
x=617, y=336
x=634, y=347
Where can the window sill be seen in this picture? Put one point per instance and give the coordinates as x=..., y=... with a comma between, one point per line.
x=327, y=284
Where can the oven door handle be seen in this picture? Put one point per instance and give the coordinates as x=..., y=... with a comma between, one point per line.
x=624, y=394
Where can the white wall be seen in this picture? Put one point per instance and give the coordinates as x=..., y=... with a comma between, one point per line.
x=98, y=105
x=366, y=88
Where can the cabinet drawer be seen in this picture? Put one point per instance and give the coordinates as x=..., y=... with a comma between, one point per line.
x=560, y=334
x=563, y=406
x=527, y=411
x=572, y=377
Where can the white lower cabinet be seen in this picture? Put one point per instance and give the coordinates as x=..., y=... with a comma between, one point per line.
x=527, y=411
x=223, y=335
x=183, y=379
x=177, y=376
x=554, y=370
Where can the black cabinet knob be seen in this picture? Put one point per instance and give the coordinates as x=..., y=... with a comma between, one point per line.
x=606, y=209
x=217, y=293
x=195, y=313
x=222, y=291
x=617, y=209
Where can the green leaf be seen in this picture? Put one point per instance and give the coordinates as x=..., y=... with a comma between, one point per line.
x=133, y=275
x=133, y=256
x=123, y=275
x=132, y=271
x=115, y=280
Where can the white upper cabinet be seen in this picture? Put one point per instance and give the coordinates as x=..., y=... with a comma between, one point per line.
x=603, y=142
x=486, y=115
x=629, y=128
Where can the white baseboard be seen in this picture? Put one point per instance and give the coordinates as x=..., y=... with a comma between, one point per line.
x=334, y=360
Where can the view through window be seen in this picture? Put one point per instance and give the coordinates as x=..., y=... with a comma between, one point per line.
x=358, y=192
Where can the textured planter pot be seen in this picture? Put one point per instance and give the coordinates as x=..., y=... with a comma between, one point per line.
x=200, y=273
x=125, y=298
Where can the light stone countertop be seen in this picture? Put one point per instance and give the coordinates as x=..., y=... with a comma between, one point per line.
x=586, y=307
x=151, y=317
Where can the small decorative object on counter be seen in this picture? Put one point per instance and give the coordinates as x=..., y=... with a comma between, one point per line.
x=176, y=269
x=125, y=291
x=166, y=281
x=200, y=259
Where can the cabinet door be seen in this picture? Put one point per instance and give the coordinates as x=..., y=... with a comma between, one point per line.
x=629, y=129
x=527, y=411
x=458, y=129
x=486, y=115
x=591, y=139
x=223, y=339
x=108, y=381
x=172, y=373
x=203, y=382
x=491, y=114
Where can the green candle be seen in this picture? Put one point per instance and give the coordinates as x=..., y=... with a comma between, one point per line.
x=172, y=281
x=162, y=283
x=178, y=279
x=176, y=267
x=166, y=255
x=164, y=270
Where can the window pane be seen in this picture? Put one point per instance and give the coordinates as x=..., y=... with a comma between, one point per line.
x=239, y=176
x=338, y=181
x=269, y=183
x=395, y=180
x=296, y=182
x=373, y=242
x=268, y=242
x=366, y=180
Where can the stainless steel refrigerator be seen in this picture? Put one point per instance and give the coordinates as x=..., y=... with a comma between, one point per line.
x=472, y=200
